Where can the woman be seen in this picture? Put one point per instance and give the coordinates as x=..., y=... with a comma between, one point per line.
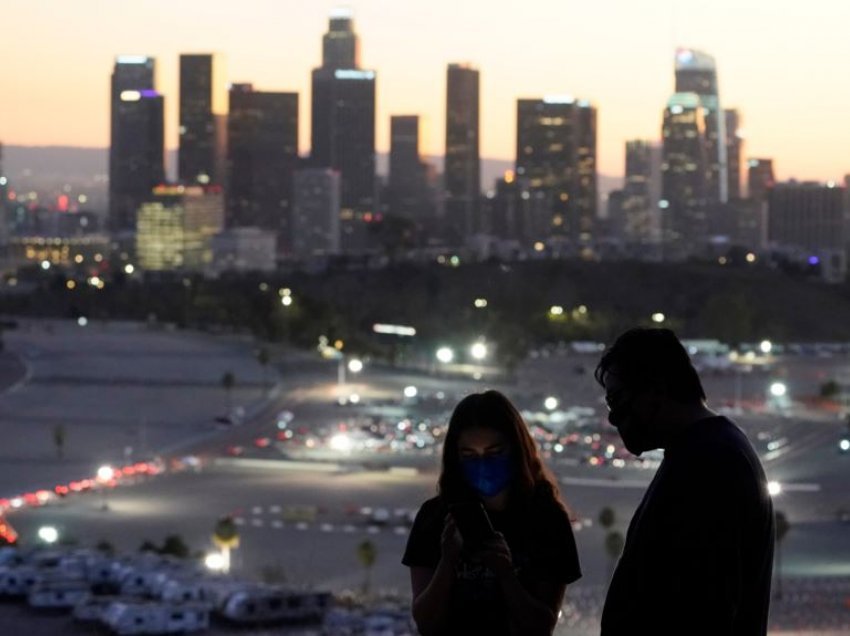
x=512, y=582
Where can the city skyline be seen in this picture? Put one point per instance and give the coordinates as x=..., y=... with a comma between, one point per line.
x=61, y=97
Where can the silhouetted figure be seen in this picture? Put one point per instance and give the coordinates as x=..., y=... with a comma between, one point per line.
x=699, y=550
x=503, y=571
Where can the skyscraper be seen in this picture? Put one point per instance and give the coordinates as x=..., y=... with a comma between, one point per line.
x=683, y=183
x=407, y=189
x=262, y=155
x=637, y=203
x=203, y=108
x=734, y=148
x=136, y=152
x=760, y=178
x=4, y=199
x=696, y=72
x=808, y=216
x=343, y=123
x=556, y=161
x=462, y=169
x=316, y=222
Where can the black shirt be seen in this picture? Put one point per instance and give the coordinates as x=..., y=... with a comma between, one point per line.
x=542, y=548
x=699, y=551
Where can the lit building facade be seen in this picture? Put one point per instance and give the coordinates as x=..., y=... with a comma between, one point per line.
x=175, y=227
x=683, y=185
x=556, y=162
x=696, y=72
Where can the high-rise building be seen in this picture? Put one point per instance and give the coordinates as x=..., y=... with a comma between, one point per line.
x=243, y=249
x=176, y=225
x=262, y=156
x=683, y=184
x=203, y=119
x=807, y=214
x=343, y=124
x=136, y=151
x=4, y=199
x=760, y=178
x=556, y=161
x=316, y=226
x=637, y=203
x=696, y=72
x=340, y=45
x=734, y=148
x=462, y=168
x=407, y=189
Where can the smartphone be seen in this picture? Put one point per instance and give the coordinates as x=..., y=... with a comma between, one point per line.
x=472, y=521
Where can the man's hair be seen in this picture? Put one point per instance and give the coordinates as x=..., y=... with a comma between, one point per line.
x=643, y=357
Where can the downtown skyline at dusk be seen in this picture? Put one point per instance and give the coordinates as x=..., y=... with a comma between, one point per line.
x=777, y=64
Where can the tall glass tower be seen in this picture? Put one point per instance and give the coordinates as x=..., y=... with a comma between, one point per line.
x=696, y=72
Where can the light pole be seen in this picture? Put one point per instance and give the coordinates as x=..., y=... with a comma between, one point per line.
x=104, y=475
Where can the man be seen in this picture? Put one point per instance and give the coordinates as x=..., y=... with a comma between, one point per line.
x=699, y=551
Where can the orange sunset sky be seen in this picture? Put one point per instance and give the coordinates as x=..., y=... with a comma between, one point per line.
x=783, y=64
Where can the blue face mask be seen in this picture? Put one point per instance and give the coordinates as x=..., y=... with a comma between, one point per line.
x=488, y=476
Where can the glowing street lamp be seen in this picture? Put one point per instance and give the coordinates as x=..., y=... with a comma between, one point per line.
x=217, y=561
x=105, y=473
x=355, y=365
x=410, y=392
x=48, y=534
x=551, y=403
x=445, y=355
x=778, y=389
x=658, y=318
x=766, y=346
x=478, y=351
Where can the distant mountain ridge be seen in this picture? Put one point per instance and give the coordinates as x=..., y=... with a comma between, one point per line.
x=70, y=162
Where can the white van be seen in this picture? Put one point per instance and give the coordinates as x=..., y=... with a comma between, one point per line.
x=265, y=605
x=140, y=617
x=57, y=594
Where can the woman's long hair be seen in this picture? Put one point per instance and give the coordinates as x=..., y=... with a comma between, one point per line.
x=492, y=410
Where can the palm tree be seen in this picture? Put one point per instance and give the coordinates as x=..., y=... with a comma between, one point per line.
x=367, y=554
x=614, y=543
x=59, y=440
x=613, y=540
x=782, y=528
x=264, y=357
x=228, y=380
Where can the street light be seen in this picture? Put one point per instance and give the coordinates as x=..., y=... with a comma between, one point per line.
x=445, y=355
x=551, y=403
x=778, y=389
x=478, y=351
x=104, y=475
x=410, y=391
x=766, y=346
x=48, y=534
x=355, y=365
x=217, y=561
x=658, y=317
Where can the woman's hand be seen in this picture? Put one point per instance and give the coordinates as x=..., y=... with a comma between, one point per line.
x=451, y=542
x=496, y=555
